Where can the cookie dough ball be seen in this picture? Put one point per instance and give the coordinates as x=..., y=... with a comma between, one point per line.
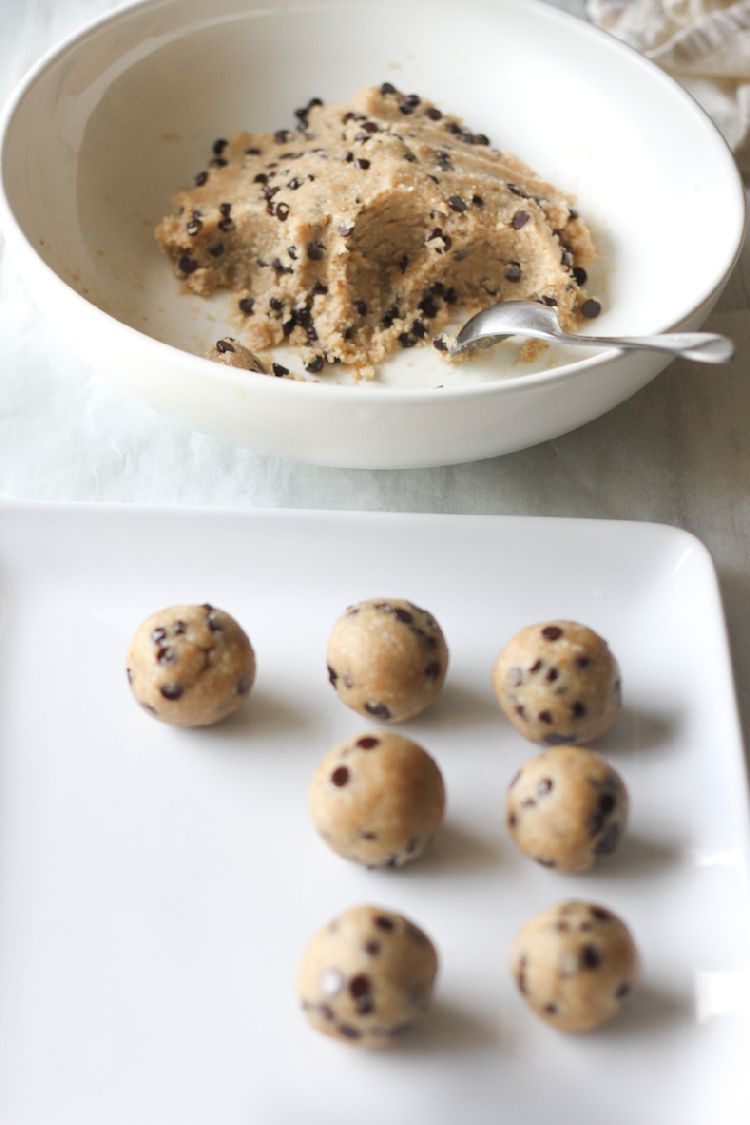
x=387, y=659
x=366, y=976
x=558, y=682
x=233, y=354
x=190, y=665
x=567, y=807
x=574, y=964
x=378, y=799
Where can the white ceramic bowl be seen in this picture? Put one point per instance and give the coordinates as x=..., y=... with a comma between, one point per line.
x=107, y=127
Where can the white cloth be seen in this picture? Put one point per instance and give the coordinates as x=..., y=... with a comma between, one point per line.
x=705, y=44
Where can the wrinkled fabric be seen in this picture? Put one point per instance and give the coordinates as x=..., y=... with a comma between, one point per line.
x=705, y=44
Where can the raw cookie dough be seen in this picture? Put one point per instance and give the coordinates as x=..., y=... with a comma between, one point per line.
x=387, y=659
x=366, y=227
x=574, y=964
x=557, y=682
x=233, y=354
x=190, y=665
x=366, y=976
x=567, y=807
x=378, y=799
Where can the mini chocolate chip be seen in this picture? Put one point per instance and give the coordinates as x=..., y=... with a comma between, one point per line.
x=332, y=675
x=552, y=675
x=345, y=231
x=551, y=1009
x=453, y=127
x=428, y=306
x=440, y=344
x=225, y=208
x=406, y=340
x=450, y=296
x=600, y=913
x=316, y=364
x=318, y=289
x=411, y=157
x=187, y=264
x=165, y=656
x=243, y=686
x=403, y=263
x=551, y=633
x=261, y=178
x=545, y=717
x=544, y=786
x=519, y=219
x=281, y=136
x=362, y=163
x=359, y=985
x=580, y=275
x=622, y=990
x=216, y=250
x=219, y=145
x=348, y=1031
x=521, y=711
x=172, y=691
x=418, y=329
x=280, y=371
x=607, y=843
x=606, y=803
x=547, y=862
x=340, y=776
x=391, y=314
x=572, y=213
x=275, y=304
x=583, y=661
x=432, y=671
x=219, y=162
x=247, y=304
x=379, y=710
x=512, y=820
x=316, y=251
x=361, y=307
x=180, y=627
x=535, y=666
x=223, y=346
x=384, y=923
x=545, y=299
x=367, y=742
x=477, y=201
x=200, y=179
x=456, y=203
x=408, y=104
x=158, y=634
x=433, y=113
x=282, y=212
x=194, y=226
x=372, y=947
x=590, y=308
x=388, y=88
x=589, y=957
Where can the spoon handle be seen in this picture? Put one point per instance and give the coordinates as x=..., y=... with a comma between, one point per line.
x=702, y=347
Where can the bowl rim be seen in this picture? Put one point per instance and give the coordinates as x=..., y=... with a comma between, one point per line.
x=365, y=391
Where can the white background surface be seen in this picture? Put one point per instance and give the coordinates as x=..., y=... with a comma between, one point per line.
x=158, y=885
x=677, y=453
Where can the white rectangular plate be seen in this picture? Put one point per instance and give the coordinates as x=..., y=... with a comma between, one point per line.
x=157, y=886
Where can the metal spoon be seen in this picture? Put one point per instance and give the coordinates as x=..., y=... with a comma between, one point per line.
x=529, y=318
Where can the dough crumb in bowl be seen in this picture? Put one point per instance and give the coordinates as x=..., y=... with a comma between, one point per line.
x=370, y=227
